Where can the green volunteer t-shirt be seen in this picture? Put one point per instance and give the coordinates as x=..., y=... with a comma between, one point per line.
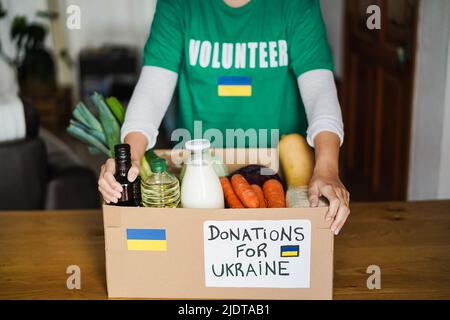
x=238, y=67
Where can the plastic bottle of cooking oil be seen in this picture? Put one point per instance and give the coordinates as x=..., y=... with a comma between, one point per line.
x=161, y=189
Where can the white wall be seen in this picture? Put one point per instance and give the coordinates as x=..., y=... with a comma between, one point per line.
x=14, y=8
x=110, y=21
x=444, y=176
x=102, y=21
x=106, y=22
x=429, y=165
x=28, y=8
x=333, y=15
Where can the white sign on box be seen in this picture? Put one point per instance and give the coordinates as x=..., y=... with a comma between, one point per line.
x=263, y=254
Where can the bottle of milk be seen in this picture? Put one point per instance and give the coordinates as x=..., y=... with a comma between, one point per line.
x=201, y=186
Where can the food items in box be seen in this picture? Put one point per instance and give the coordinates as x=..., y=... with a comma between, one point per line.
x=259, y=192
x=244, y=192
x=217, y=164
x=297, y=197
x=274, y=194
x=252, y=173
x=128, y=198
x=240, y=194
x=161, y=189
x=297, y=160
x=200, y=187
x=231, y=198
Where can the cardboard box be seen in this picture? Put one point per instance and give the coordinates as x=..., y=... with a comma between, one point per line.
x=218, y=254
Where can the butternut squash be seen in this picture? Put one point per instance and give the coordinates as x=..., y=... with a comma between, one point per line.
x=297, y=160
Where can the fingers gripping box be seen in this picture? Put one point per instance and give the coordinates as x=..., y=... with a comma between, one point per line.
x=218, y=254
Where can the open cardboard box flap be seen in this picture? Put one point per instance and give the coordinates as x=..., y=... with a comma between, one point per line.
x=194, y=263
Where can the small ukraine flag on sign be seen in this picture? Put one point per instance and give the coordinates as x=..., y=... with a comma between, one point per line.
x=146, y=240
x=235, y=87
x=290, y=251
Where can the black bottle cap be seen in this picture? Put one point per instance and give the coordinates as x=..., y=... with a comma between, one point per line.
x=122, y=151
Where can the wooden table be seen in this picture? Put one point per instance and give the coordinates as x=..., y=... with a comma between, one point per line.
x=410, y=242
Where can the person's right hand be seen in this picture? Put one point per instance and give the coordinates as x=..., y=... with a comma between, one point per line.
x=108, y=186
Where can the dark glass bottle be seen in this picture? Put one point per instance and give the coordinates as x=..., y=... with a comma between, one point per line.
x=137, y=192
x=123, y=165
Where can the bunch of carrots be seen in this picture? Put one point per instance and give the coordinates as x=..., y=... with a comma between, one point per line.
x=240, y=194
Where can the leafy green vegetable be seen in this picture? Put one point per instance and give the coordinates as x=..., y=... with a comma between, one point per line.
x=116, y=108
x=145, y=170
x=83, y=115
x=101, y=136
x=93, y=150
x=110, y=126
x=82, y=135
x=98, y=135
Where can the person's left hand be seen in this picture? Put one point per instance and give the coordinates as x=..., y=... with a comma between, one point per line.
x=330, y=186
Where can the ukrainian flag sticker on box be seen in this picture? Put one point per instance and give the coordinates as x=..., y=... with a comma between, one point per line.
x=235, y=87
x=290, y=251
x=146, y=240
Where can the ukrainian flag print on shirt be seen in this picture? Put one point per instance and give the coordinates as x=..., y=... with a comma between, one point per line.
x=235, y=87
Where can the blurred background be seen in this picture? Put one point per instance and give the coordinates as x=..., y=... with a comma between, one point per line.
x=394, y=87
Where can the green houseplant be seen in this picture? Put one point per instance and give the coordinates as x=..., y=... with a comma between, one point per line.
x=34, y=63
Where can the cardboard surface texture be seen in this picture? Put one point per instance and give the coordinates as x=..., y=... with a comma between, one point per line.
x=218, y=254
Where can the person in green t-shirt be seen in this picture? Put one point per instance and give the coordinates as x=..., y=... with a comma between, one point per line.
x=259, y=67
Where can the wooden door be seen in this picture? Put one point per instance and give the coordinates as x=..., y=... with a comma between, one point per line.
x=377, y=99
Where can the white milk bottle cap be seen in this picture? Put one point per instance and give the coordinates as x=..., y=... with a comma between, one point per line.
x=198, y=145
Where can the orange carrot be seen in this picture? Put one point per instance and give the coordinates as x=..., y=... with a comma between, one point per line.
x=230, y=197
x=260, y=194
x=243, y=190
x=274, y=193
